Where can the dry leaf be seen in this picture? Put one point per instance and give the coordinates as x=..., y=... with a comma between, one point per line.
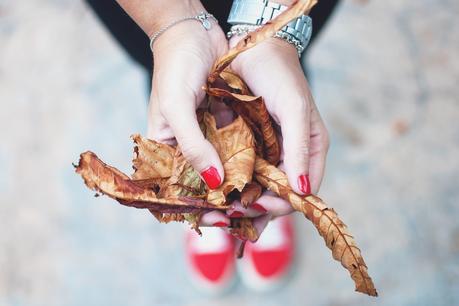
x=184, y=181
x=330, y=227
x=155, y=184
x=110, y=181
x=253, y=111
x=235, y=146
x=251, y=192
x=243, y=229
x=235, y=82
x=151, y=159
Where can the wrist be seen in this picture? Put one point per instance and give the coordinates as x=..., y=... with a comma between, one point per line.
x=168, y=11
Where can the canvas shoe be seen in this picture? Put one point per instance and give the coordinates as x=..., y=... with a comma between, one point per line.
x=266, y=263
x=211, y=259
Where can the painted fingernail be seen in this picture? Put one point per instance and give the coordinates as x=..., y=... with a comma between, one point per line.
x=211, y=177
x=220, y=224
x=304, y=184
x=259, y=208
x=236, y=214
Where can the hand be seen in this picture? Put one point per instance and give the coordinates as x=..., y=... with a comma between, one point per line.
x=183, y=57
x=272, y=70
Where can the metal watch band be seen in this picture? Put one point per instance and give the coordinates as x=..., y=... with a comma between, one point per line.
x=258, y=12
x=244, y=29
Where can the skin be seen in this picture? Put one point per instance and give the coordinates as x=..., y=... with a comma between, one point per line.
x=183, y=56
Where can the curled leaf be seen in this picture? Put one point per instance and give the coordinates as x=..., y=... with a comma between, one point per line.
x=330, y=227
x=184, y=180
x=243, y=229
x=151, y=159
x=110, y=181
x=235, y=82
x=253, y=111
x=250, y=193
x=235, y=146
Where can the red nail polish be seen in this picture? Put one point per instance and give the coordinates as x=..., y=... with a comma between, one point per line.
x=211, y=177
x=304, y=184
x=220, y=224
x=259, y=208
x=236, y=214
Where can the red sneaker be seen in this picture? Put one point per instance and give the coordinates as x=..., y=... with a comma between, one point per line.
x=267, y=262
x=210, y=259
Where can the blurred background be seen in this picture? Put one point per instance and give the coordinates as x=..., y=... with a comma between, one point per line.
x=385, y=75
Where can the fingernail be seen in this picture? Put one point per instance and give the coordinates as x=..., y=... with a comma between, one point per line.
x=220, y=224
x=304, y=184
x=211, y=177
x=259, y=208
x=236, y=214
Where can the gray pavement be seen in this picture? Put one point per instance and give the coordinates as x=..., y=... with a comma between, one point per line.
x=385, y=75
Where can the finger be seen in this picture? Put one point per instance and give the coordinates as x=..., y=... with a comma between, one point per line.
x=268, y=203
x=319, y=149
x=294, y=119
x=214, y=218
x=157, y=127
x=195, y=148
x=237, y=210
x=273, y=205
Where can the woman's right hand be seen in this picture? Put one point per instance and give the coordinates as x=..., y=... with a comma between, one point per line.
x=183, y=57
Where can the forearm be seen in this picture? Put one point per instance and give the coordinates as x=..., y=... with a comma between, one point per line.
x=151, y=15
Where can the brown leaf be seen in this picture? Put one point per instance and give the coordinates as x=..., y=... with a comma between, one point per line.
x=155, y=184
x=250, y=193
x=235, y=82
x=330, y=227
x=253, y=111
x=235, y=146
x=297, y=9
x=151, y=159
x=110, y=181
x=242, y=228
x=184, y=180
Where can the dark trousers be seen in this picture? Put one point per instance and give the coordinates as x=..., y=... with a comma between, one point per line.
x=136, y=43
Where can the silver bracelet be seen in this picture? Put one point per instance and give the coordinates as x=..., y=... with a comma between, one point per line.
x=244, y=29
x=203, y=18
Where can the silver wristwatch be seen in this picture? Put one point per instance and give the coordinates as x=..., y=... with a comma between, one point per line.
x=258, y=12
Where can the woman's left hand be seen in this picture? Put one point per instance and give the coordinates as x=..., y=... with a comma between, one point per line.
x=272, y=70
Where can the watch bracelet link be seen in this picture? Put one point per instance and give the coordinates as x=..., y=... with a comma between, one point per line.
x=258, y=12
x=244, y=29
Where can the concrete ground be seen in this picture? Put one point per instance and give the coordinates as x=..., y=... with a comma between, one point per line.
x=385, y=75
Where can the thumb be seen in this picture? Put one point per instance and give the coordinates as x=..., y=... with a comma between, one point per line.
x=295, y=125
x=195, y=148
